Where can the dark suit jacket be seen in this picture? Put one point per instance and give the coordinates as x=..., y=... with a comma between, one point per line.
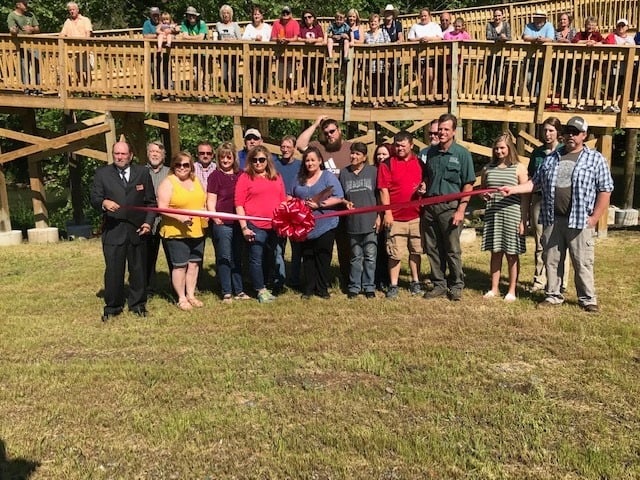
x=121, y=226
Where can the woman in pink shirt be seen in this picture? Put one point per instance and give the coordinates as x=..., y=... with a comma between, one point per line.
x=459, y=32
x=259, y=191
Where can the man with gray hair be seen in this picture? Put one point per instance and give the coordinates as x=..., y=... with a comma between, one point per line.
x=156, y=154
x=576, y=185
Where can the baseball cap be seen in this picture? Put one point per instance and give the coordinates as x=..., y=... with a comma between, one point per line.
x=286, y=9
x=623, y=21
x=578, y=123
x=252, y=131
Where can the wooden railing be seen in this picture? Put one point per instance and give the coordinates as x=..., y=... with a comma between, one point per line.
x=600, y=78
x=517, y=14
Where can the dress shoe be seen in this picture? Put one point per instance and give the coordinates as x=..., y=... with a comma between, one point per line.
x=107, y=316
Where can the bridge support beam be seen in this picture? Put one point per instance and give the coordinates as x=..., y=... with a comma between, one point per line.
x=605, y=146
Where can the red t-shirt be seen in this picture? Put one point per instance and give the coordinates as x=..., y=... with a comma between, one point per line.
x=582, y=36
x=259, y=197
x=291, y=30
x=402, y=181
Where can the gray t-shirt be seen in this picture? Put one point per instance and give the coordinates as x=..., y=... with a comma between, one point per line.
x=361, y=190
x=567, y=163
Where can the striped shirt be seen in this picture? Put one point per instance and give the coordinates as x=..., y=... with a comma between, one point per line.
x=590, y=176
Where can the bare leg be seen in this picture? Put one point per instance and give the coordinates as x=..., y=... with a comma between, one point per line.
x=495, y=269
x=394, y=271
x=414, y=266
x=513, y=261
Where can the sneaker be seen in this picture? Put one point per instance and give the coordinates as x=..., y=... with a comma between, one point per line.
x=352, y=295
x=415, y=288
x=242, y=296
x=547, y=304
x=455, y=295
x=227, y=298
x=265, y=297
x=510, y=298
x=435, y=293
x=392, y=291
x=489, y=295
x=591, y=308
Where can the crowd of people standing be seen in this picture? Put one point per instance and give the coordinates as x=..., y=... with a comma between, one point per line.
x=571, y=185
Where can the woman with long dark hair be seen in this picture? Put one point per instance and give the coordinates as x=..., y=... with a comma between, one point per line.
x=320, y=190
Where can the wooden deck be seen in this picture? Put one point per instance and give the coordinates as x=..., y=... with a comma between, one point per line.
x=476, y=80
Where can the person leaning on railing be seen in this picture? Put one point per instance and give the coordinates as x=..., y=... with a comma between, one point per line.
x=537, y=32
x=258, y=31
x=375, y=69
x=564, y=31
x=22, y=21
x=159, y=62
x=589, y=37
x=193, y=28
x=618, y=37
x=313, y=65
x=79, y=26
x=498, y=30
x=228, y=30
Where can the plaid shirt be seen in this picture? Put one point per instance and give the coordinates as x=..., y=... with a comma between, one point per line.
x=203, y=174
x=590, y=176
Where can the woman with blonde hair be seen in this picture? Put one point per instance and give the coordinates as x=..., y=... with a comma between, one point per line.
x=183, y=234
x=259, y=191
x=505, y=217
x=357, y=31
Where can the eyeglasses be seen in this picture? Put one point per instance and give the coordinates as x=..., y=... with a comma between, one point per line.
x=286, y=13
x=308, y=16
x=330, y=132
x=433, y=134
x=259, y=160
x=573, y=132
x=182, y=165
x=205, y=153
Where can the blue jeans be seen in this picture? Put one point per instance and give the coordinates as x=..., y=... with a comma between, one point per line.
x=227, y=240
x=262, y=248
x=364, y=250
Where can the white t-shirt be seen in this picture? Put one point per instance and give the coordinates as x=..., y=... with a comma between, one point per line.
x=251, y=32
x=431, y=29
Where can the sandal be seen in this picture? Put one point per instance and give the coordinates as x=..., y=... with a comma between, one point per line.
x=195, y=302
x=184, y=304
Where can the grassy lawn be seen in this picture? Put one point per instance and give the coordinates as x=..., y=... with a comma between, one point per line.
x=316, y=390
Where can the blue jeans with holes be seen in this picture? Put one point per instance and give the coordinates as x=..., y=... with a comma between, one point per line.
x=227, y=240
x=262, y=248
x=364, y=250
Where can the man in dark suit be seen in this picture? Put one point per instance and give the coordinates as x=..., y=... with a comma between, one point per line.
x=124, y=230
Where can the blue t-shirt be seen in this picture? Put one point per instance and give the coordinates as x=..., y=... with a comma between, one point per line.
x=289, y=173
x=338, y=30
x=327, y=179
x=148, y=27
x=546, y=31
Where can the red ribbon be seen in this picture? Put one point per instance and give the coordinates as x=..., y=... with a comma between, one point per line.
x=294, y=219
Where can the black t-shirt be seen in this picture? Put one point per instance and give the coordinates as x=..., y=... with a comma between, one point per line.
x=393, y=30
x=567, y=163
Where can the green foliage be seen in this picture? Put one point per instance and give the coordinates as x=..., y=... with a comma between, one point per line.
x=195, y=128
x=21, y=216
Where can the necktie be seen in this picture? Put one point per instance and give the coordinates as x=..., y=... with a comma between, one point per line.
x=124, y=177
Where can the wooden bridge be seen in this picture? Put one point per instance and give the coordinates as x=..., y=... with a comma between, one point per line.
x=475, y=80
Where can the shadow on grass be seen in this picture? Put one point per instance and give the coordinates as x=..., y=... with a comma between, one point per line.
x=15, y=469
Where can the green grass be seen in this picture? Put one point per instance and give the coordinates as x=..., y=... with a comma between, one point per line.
x=319, y=389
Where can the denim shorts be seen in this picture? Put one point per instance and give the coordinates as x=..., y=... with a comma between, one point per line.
x=185, y=250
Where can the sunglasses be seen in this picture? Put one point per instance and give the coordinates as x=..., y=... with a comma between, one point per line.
x=330, y=132
x=259, y=160
x=182, y=165
x=433, y=134
x=573, y=132
x=286, y=13
x=308, y=16
x=205, y=153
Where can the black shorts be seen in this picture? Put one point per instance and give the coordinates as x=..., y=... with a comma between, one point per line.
x=185, y=250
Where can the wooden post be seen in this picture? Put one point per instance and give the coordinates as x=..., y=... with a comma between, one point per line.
x=174, y=135
x=605, y=146
x=110, y=136
x=238, y=135
x=133, y=126
x=630, y=167
x=520, y=140
x=75, y=175
x=468, y=130
x=5, y=214
x=36, y=176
